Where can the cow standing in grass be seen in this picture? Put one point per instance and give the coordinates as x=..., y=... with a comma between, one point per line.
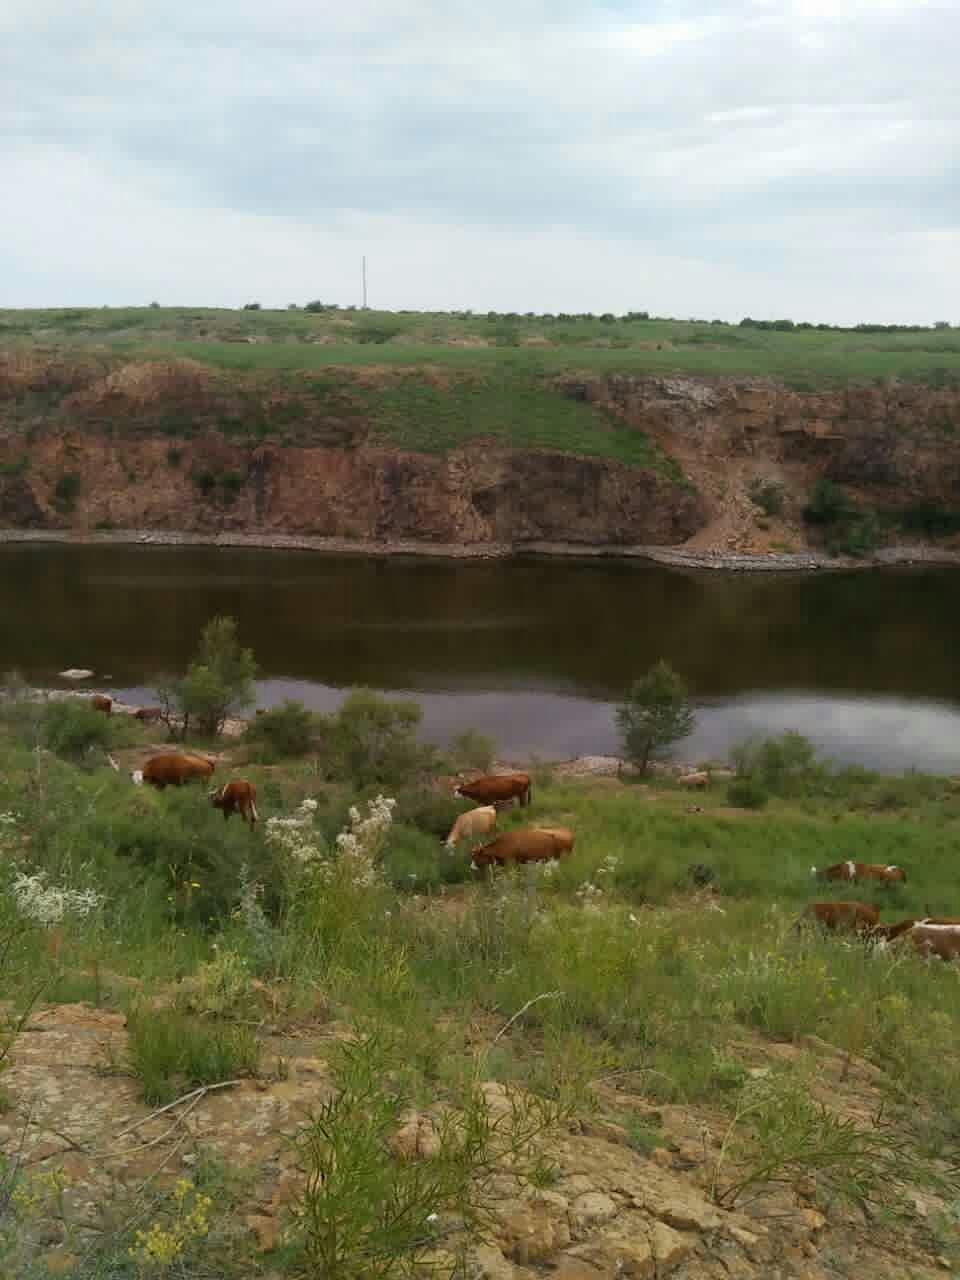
x=173, y=769
x=497, y=789
x=238, y=796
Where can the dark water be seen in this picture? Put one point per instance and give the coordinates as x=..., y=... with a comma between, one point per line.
x=534, y=652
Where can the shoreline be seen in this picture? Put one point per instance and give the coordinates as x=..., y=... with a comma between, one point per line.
x=669, y=557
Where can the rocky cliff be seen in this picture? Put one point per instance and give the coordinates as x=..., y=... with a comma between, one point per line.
x=173, y=445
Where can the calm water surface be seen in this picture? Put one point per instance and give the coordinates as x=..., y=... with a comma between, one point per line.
x=535, y=652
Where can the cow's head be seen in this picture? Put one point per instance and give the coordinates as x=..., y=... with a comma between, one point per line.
x=137, y=777
x=814, y=871
x=216, y=796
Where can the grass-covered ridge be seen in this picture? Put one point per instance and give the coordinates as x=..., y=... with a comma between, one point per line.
x=804, y=356
x=612, y=966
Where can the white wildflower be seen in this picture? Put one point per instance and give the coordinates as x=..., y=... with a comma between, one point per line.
x=48, y=904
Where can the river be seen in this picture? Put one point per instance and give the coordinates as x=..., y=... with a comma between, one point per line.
x=534, y=652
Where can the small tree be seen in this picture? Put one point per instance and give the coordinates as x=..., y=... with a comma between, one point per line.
x=219, y=679
x=656, y=713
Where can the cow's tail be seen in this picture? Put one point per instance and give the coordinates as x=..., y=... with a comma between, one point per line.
x=529, y=793
x=253, y=811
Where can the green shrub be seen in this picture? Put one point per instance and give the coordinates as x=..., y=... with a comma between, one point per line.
x=172, y=1052
x=472, y=749
x=219, y=680
x=931, y=519
x=431, y=811
x=828, y=504
x=858, y=536
x=66, y=491
x=287, y=730
x=784, y=765
x=372, y=740
x=767, y=495
x=656, y=713
x=746, y=794
x=71, y=729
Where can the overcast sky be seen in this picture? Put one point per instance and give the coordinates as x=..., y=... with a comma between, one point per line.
x=691, y=157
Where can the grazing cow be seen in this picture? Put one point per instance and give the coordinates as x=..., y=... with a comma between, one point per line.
x=238, y=796
x=563, y=836
x=475, y=822
x=854, y=871
x=497, y=788
x=147, y=714
x=940, y=940
x=890, y=932
x=694, y=780
x=173, y=769
x=525, y=844
x=102, y=702
x=858, y=917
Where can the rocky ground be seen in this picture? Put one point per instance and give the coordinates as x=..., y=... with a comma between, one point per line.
x=616, y=1206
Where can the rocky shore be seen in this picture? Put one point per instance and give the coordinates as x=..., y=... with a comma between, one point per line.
x=675, y=557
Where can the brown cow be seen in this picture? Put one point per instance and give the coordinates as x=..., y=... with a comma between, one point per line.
x=148, y=713
x=524, y=844
x=859, y=917
x=497, y=788
x=563, y=836
x=173, y=769
x=238, y=796
x=854, y=871
x=891, y=932
x=940, y=940
x=102, y=702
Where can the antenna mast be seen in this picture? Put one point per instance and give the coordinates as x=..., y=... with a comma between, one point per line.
x=363, y=271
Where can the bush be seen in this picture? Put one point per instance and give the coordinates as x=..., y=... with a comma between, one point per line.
x=828, y=504
x=172, y=1052
x=71, y=729
x=786, y=765
x=656, y=714
x=287, y=730
x=472, y=750
x=218, y=681
x=931, y=519
x=433, y=812
x=767, y=495
x=372, y=740
x=66, y=491
x=746, y=794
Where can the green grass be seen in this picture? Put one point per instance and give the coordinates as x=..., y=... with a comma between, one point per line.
x=802, y=357
x=614, y=966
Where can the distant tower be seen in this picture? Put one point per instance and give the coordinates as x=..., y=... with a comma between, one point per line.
x=363, y=273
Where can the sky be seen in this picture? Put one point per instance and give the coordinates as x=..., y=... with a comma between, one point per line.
x=711, y=158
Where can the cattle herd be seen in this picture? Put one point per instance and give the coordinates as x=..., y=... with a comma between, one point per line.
x=930, y=935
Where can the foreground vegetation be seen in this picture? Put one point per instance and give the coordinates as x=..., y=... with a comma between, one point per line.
x=611, y=964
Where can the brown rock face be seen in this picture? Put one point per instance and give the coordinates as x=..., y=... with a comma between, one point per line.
x=210, y=485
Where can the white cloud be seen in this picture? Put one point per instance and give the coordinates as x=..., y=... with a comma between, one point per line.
x=538, y=141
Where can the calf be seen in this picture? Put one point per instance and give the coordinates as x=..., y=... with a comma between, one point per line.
x=148, y=714
x=854, y=871
x=855, y=917
x=525, y=844
x=475, y=822
x=102, y=702
x=694, y=780
x=497, y=789
x=238, y=796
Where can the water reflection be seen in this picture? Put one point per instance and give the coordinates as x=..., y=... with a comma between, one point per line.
x=534, y=652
